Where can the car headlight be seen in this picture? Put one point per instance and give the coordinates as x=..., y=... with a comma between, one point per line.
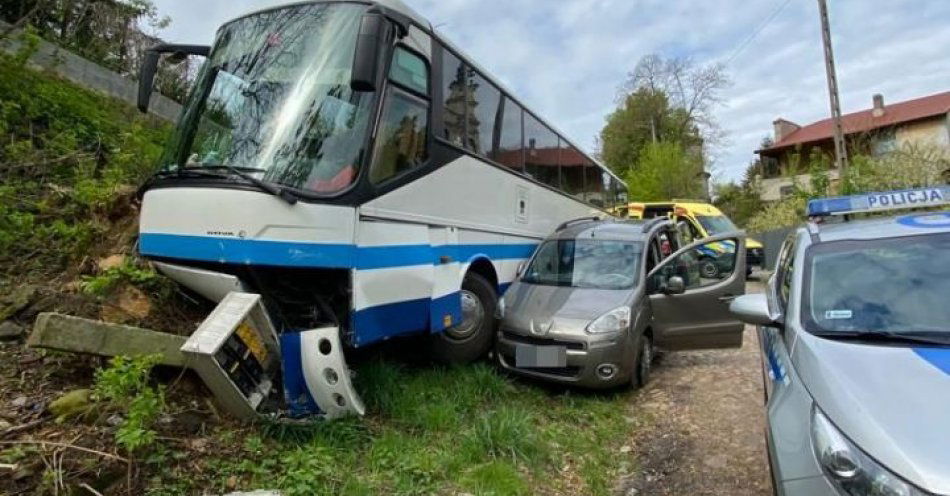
x=850, y=470
x=500, y=308
x=615, y=320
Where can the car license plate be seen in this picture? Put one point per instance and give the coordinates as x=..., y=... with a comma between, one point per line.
x=530, y=356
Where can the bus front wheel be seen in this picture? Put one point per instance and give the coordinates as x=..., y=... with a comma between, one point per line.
x=471, y=338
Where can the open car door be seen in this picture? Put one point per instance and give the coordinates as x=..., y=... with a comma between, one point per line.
x=690, y=292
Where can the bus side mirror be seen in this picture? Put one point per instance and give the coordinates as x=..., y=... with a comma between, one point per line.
x=150, y=67
x=371, y=41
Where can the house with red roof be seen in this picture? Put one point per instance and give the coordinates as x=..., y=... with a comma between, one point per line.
x=875, y=131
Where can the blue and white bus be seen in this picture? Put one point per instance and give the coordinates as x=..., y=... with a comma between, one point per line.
x=345, y=161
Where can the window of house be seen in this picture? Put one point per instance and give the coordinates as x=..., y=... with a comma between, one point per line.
x=510, y=144
x=454, y=95
x=541, y=152
x=885, y=142
x=401, y=139
x=483, y=109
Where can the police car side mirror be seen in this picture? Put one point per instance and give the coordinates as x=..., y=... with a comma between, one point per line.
x=753, y=309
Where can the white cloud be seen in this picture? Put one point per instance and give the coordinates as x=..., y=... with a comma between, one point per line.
x=566, y=58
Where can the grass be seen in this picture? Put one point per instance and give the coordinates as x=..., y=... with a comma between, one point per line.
x=432, y=431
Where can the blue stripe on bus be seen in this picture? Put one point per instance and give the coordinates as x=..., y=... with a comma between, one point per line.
x=451, y=305
x=245, y=251
x=326, y=255
x=938, y=357
x=394, y=319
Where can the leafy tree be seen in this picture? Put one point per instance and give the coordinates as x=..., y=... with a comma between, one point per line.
x=738, y=201
x=663, y=100
x=663, y=171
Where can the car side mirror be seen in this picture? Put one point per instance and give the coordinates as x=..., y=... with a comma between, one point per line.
x=753, y=309
x=150, y=67
x=674, y=286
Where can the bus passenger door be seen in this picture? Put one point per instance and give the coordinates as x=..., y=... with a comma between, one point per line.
x=445, y=309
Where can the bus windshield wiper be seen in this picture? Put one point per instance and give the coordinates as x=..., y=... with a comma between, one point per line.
x=929, y=338
x=242, y=172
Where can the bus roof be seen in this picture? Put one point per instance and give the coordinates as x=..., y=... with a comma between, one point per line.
x=423, y=23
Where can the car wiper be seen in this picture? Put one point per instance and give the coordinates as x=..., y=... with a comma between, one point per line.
x=888, y=336
x=242, y=172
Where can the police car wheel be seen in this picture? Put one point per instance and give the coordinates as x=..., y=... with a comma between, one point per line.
x=470, y=339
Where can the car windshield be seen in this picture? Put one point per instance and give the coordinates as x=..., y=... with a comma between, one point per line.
x=897, y=285
x=716, y=224
x=585, y=263
x=274, y=99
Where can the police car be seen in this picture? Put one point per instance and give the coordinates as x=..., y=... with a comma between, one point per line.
x=855, y=332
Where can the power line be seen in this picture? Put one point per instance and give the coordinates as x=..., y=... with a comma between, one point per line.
x=768, y=20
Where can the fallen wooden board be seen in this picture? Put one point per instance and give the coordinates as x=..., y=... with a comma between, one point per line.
x=54, y=331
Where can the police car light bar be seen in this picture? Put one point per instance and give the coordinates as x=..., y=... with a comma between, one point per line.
x=879, y=202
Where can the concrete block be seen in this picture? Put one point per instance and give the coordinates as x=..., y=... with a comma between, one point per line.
x=60, y=332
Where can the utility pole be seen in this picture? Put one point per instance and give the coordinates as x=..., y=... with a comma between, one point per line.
x=841, y=150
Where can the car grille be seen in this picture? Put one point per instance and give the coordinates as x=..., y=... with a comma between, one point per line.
x=570, y=371
x=537, y=341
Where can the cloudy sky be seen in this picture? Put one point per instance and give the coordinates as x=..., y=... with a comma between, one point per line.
x=566, y=58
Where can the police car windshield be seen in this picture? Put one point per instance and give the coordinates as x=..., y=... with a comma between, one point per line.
x=716, y=224
x=896, y=285
x=585, y=263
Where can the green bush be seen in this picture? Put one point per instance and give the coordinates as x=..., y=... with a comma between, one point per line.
x=124, y=385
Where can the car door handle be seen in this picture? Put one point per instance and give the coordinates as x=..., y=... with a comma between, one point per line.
x=727, y=298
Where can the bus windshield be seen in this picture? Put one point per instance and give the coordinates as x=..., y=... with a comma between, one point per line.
x=274, y=100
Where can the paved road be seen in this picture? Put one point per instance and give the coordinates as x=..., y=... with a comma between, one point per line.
x=705, y=433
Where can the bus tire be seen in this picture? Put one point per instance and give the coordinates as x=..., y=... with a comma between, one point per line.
x=468, y=341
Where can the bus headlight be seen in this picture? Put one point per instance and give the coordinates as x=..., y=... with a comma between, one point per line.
x=615, y=320
x=850, y=470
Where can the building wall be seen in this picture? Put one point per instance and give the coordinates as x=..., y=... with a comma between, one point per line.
x=771, y=189
x=929, y=132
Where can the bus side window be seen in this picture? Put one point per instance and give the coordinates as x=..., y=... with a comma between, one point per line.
x=485, y=99
x=453, y=90
x=541, y=152
x=593, y=183
x=510, y=151
x=401, y=139
x=572, y=170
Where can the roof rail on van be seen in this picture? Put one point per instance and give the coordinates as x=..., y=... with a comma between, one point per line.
x=580, y=220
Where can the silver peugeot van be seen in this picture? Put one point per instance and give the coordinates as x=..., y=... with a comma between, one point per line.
x=598, y=296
